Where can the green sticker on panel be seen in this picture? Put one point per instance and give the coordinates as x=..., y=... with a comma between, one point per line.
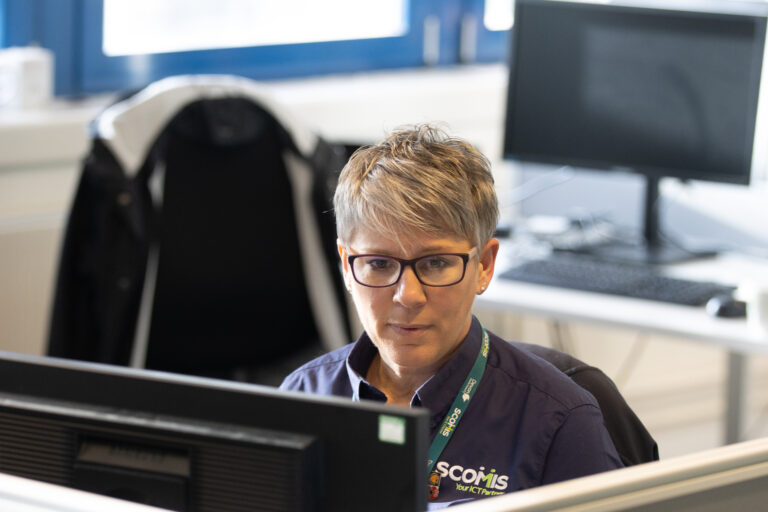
x=391, y=429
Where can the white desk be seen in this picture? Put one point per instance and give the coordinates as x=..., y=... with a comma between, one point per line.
x=24, y=495
x=732, y=335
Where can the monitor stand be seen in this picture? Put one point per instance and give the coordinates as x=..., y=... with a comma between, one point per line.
x=653, y=250
x=650, y=254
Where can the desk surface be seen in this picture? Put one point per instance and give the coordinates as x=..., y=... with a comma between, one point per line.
x=648, y=316
x=24, y=495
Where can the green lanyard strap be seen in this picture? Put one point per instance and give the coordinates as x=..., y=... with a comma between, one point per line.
x=460, y=404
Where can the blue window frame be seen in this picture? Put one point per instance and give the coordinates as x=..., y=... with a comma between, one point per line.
x=72, y=29
x=2, y=24
x=48, y=23
x=490, y=45
x=101, y=72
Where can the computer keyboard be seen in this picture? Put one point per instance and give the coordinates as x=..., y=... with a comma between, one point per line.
x=578, y=272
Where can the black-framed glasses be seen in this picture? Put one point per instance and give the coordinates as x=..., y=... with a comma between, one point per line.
x=379, y=271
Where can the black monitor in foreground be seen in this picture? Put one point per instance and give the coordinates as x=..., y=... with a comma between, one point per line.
x=663, y=92
x=194, y=444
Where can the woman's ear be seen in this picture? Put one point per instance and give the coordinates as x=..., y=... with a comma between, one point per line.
x=344, y=264
x=487, y=258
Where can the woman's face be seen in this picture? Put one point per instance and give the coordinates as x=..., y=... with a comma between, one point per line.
x=417, y=327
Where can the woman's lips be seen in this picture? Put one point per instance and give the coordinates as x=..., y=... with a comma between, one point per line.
x=409, y=329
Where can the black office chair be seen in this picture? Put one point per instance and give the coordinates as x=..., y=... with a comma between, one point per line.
x=632, y=440
x=201, y=238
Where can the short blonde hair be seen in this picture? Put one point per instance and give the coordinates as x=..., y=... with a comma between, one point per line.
x=417, y=181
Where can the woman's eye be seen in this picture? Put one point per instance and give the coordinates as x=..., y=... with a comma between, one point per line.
x=436, y=262
x=380, y=263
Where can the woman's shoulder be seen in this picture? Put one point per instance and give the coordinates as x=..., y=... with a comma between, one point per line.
x=521, y=363
x=320, y=375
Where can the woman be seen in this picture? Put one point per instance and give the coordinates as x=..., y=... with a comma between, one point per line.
x=415, y=217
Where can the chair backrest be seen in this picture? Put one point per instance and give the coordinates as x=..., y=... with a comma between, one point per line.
x=632, y=440
x=200, y=240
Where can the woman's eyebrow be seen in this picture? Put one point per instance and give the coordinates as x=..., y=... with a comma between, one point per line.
x=426, y=251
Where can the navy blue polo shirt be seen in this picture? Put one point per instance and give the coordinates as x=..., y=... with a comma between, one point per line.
x=527, y=425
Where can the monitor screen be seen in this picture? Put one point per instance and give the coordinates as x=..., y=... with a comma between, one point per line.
x=189, y=443
x=661, y=92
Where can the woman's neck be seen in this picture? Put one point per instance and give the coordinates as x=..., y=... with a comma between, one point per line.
x=398, y=385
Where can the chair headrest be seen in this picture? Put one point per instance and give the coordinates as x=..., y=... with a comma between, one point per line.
x=130, y=127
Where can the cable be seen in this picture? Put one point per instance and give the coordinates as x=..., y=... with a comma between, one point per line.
x=539, y=184
x=631, y=360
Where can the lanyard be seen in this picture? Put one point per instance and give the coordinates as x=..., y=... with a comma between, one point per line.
x=459, y=405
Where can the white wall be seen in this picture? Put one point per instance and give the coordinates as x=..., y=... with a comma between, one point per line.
x=39, y=160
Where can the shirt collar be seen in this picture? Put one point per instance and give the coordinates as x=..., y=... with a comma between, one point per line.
x=359, y=360
x=438, y=392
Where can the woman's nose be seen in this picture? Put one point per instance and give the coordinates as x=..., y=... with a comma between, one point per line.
x=409, y=290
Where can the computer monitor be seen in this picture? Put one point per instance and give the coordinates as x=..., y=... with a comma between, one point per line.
x=733, y=477
x=189, y=443
x=662, y=91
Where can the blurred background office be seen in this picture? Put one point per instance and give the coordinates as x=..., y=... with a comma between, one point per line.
x=352, y=70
